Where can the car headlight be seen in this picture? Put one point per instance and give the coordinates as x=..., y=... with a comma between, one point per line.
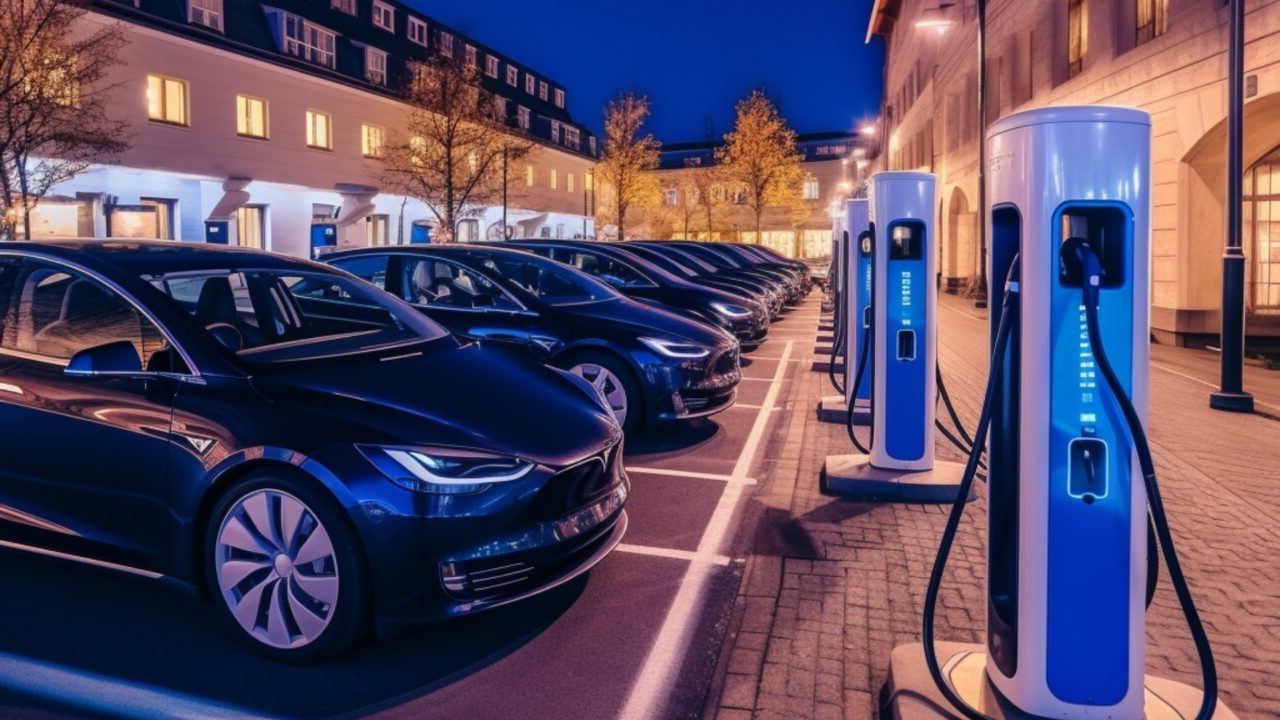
x=733, y=311
x=675, y=349
x=445, y=471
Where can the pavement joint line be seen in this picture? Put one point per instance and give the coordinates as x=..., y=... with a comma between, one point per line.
x=665, y=658
x=1207, y=384
x=687, y=555
x=732, y=479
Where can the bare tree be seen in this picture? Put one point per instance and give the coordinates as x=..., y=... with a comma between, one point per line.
x=760, y=156
x=707, y=184
x=458, y=137
x=53, y=101
x=629, y=158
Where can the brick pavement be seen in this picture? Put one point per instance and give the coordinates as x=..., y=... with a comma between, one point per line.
x=832, y=586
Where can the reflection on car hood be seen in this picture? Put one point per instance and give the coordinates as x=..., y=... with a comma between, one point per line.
x=438, y=393
x=649, y=320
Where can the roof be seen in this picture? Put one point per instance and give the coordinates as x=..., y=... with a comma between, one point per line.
x=677, y=155
x=884, y=14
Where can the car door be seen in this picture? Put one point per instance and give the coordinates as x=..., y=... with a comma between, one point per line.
x=83, y=459
x=460, y=298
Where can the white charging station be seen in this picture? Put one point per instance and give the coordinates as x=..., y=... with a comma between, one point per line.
x=853, y=319
x=1067, y=508
x=901, y=464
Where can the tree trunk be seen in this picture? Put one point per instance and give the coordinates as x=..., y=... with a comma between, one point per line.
x=24, y=198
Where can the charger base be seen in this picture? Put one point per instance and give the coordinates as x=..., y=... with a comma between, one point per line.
x=911, y=695
x=853, y=477
x=822, y=363
x=832, y=409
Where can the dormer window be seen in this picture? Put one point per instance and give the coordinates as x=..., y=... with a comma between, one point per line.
x=375, y=66
x=491, y=66
x=542, y=90
x=302, y=38
x=522, y=117
x=528, y=83
x=417, y=31
x=205, y=12
x=513, y=75
x=446, y=44
x=346, y=6
x=384, y=16
x=471, y=55
x=559, y=98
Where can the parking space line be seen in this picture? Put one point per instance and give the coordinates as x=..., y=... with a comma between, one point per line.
x=691, y=474
x=664, y=660
x=687, y=555
x=781, y=366
x=744, y=406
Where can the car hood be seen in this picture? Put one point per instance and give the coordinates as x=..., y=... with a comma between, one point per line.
x=440, y=393
x=650, y=321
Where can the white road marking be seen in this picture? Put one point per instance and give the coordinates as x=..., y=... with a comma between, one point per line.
x=743, y=406
x=657, y=675
x=691, y=474
x=687, y=555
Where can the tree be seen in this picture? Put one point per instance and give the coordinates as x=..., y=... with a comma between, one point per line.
x=705, y=181
x=457, y=141
x=628, y=160
x=760, y=156
x=53, y=101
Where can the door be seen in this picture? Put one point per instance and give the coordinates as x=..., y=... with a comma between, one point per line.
x=85, y=459
x=251, y=226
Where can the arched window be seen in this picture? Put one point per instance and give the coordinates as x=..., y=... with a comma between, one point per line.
x=1262, y=234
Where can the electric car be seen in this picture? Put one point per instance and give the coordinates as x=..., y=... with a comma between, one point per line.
x=770, y=257
x=314, y=454
x=723, y=257
x=651, y=365
x=680, y=264
x=640, y=280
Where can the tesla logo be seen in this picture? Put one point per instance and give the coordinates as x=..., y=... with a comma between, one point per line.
x=201, y=444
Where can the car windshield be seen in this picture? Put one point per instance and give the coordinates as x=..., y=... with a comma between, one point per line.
x=551, y=282
x=659, y=259
x=293, y=314
x=688, y=257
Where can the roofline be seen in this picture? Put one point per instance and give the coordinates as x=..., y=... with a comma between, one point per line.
x=879, y=9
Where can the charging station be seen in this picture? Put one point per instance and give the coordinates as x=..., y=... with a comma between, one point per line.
x=854, y=319
x=1067, y=536
x=900, y=465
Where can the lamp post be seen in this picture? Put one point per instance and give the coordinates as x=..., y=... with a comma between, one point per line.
x=1231, y=395
x=935, y=19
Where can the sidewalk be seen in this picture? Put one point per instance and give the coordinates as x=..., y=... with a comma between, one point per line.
x=832, y=586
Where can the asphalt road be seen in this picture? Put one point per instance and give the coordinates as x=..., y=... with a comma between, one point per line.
x=637, y=638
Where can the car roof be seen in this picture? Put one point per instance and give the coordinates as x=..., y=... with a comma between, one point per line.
x=452, y=248
x=153, y=257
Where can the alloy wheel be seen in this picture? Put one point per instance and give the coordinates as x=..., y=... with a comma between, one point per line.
x=608, y=385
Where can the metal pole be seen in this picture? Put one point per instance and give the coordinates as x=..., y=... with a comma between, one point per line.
x=980, y=293
x=505, y=182
x=1231, y=395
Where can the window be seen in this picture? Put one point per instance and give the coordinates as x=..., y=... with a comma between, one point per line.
x=491, y=66
x=377, y=230
x=251, y=226
x=528, y=175
x=375, y=66
x=592, y=142
x=528, y=83
x=671, y=197
x=568, y=182
x=251, y=117
x=205, y=12
x=1077, y=35
x=471, y=55
x=559, y=98
x=555, y=179
x=605, y=268
x=572, y=137
x=551, y=282
x=418, y=31
x=1153, y=19
x=542, y=89
x=446, y=44
x=370, y=268
x=522, y=115
x=436, y=283
x=372, y=138
x=1261, y=230
x=384, y=16
x=555, y=131
x=513, y=75
x=811, y=189
x=346, y=6
x=167, y=100
x=305, y=39
x=319, y=130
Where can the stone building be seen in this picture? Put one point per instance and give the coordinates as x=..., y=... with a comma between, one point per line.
x=1168, y=57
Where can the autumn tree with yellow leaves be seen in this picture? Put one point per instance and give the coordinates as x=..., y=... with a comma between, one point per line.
x=760, y=157
x=630, y=156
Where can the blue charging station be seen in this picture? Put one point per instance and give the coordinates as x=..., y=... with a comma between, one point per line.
x=1067, y=535
x=219, y=232
x=853, y=302
x=900, y=464
x=324, y=239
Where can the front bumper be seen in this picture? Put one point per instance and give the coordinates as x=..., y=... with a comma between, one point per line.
x=698, y=388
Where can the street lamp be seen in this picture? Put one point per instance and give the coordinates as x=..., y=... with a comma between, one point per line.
x=937, y=19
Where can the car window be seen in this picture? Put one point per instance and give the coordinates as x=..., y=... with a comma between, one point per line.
x=370, y=268
x=551, y=282
x=53, y=312
x=661, y=260
x=440, y=284
x=607, y=269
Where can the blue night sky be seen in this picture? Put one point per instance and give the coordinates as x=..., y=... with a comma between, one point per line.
x=693, y=58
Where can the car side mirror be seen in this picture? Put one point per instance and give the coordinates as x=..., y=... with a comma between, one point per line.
x=113, y=358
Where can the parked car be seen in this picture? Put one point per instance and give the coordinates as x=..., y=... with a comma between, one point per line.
x=314, y=454
x=679, y=263
x=769, y=256
x=640, y=280
x=650, y=365
x=727, y=258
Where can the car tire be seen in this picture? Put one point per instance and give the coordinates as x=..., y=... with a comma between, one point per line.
x=615, y=380
x=297, y=589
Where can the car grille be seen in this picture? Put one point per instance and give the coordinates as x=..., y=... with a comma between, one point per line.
x=576, y=487
x=728, y=362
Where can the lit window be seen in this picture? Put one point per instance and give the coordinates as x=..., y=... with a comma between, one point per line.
x=167, y=100
x=371, y=140
x=251, y=116
x=528, y=175
x=555, y=180
x=375, y=66
x=589, y=182
x=671, y=197
x=811, y=189
x=319, y=130
x=1077, y=35
x=568, y=182
x=205, y=12
x=542, y=89
x=471, y=55
x=446, y=44
x=559, y=98
x=491, y=66
x=1153, y=19
x=306, y=40
x=513, y=75
x=522, y=113
x=384, y=16
x=528, y=83
x=418, y=31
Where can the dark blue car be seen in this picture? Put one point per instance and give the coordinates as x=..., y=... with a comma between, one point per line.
x=649, y=364
x=315, y=455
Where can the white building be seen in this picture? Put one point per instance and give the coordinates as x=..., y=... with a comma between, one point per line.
x=271, y=116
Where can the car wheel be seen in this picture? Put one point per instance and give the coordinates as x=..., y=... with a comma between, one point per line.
x=285, y=569
x=615, y=383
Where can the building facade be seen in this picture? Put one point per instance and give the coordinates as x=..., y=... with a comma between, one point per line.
x=834, y=163
x=272, y=116
x=1168, y=57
